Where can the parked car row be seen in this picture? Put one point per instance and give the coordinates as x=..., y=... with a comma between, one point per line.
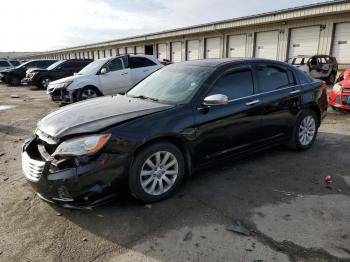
x=16, y=75
x=179, y=119
x=41, y=77
x=8, y=63
x=104, y=77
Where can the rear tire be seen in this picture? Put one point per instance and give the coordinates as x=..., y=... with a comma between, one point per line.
x=14, y=81
x=304, y=131
x=157, y=172
x=87, y=92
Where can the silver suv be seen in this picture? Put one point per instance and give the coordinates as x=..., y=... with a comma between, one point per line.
x=7, y=64
x=322, y=67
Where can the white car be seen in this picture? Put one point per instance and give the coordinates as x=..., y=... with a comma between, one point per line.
x=106, y=76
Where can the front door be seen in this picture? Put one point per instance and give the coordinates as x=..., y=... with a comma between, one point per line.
x=231, y=128
x=117, y=79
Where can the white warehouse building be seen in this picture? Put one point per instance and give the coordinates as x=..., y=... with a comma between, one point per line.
x=322, y=28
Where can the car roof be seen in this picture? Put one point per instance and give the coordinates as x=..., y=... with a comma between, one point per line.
x=218, y=62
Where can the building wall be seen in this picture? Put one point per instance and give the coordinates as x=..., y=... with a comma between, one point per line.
x=326, y=24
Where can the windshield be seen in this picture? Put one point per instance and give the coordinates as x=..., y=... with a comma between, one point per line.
x=172, y=84
x=15, y=63
x=92, y=68
x=54, y=65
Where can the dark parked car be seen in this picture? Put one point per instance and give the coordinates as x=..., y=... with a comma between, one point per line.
x=179, y=119
x=42, y=77
x=322, y=67
x=14, y=76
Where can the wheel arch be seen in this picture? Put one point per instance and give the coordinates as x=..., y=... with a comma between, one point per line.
x=317, y=111
x=177, y=141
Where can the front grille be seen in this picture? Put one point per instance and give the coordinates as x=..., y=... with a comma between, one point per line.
x=32, y=169
x=345, y=100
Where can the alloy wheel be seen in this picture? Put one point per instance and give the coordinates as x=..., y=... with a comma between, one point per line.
x=88, y=93
x=159, y=173
x=307, y=130
x=45, y=82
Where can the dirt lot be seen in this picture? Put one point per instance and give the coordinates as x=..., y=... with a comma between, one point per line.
x=280, y=194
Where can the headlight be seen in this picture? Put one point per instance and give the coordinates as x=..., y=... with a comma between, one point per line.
x=87, y=145
x=337, y=88
x=61, y=85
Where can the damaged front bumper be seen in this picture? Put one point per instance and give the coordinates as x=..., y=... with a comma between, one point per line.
x=76, y=185
x=61, y=95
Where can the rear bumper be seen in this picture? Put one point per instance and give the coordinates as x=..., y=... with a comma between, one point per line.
x=81, y=185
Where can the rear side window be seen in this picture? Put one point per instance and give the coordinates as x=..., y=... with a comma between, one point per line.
x=137, y=62
x=235, y=84
x=273, y=78
x=4, y=63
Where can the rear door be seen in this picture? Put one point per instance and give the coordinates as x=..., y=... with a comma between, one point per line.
x=229, y=129
x=117, y=79
x=140, y=67
x=280, y=99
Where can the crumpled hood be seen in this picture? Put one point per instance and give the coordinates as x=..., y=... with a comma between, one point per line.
x=96, y=114
x=31, y=70
x=62, y=80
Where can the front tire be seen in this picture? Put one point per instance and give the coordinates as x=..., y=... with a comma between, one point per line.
x=305, y=131
x=44, y=82
x=157, y=171
x=14, y=81
x=87, y=93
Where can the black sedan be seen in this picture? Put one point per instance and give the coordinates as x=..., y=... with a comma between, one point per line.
x=14, y=76
x=42, y=77
x=181, y=118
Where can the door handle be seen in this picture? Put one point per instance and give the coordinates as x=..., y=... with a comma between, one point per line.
x=254, y=102
x=123, y=74
x=295, y=92
x=145, y=70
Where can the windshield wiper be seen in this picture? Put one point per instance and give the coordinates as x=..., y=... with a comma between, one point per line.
x=145, y=97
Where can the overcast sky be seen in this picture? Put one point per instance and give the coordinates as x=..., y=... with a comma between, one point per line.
x=40, y=25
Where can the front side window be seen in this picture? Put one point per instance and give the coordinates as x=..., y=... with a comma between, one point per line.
x=15, y=63
x=235, y=84
x=137, y=62
x=272, y=78
x=115, y=65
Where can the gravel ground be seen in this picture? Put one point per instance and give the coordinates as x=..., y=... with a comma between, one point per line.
x=279, y=194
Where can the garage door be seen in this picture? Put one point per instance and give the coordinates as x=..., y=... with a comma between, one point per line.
x=237, y=45
x=96, y=54
x=212, y=47
x=161, y=51
x=266, y=45
x=304, y=41
x=176, y=52
x=341, y=43
x=140, y=49
x=121, y=50
x=192, y=49
x=130, y=50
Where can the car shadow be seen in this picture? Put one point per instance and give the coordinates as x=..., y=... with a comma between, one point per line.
x=231, y=191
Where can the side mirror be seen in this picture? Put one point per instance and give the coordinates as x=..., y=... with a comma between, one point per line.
x=215, y=100
x=103, y=71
